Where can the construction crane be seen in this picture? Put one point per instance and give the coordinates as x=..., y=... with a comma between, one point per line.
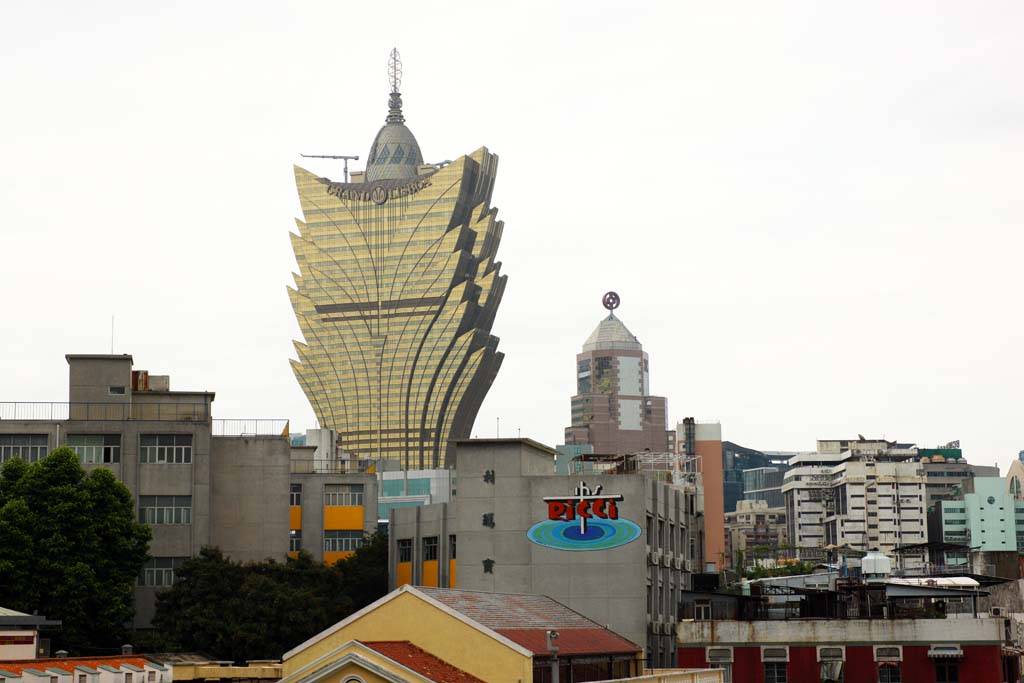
x=332, y=156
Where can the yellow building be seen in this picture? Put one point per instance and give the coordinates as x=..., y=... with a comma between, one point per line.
x=452, y=627
x=397, y=291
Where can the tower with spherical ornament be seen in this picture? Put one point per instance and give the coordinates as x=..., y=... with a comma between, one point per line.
x=613, y=410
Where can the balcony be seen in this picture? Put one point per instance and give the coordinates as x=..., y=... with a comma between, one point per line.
x=314, y=466
x=105, y=412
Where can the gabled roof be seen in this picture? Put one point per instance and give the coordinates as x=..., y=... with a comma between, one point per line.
x=328, y=632
x=422, y=662
x=526, y=619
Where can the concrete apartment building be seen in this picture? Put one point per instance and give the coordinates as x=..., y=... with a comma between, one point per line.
x=514, y=528
x=192, y=485
x=989, y=519
x=859, y=494
x=751, y=528
x=699, y=443
x=332, y=497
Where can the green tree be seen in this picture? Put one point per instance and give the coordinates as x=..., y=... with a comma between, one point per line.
x=70, y=548
x=365, y=573
x=257, y=610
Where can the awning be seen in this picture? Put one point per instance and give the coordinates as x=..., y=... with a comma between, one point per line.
x=945, y=651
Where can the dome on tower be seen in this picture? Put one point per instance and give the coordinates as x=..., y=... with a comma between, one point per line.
x=610, y=333
x=394, y=154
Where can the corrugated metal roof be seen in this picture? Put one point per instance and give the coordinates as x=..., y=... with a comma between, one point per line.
x=509, y=611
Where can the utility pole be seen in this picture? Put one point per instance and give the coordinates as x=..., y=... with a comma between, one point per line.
x=345, y=158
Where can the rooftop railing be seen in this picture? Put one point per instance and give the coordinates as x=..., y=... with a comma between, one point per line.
x=104, y=412
x=314, y=466
x=250, y=427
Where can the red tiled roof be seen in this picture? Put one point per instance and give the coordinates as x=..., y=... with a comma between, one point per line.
x=575, y=641
x=422, y=662
x=16, y=666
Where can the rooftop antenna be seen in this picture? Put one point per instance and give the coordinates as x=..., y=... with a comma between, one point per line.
x=111, y=335
x=332, y=156
x=395, y=70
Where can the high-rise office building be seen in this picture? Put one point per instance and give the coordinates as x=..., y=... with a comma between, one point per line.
x=613, y=410
x=397, y=291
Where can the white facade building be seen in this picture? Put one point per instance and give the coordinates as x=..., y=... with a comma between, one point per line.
x=861, y=500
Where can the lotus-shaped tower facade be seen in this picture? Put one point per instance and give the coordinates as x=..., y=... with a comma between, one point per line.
x=396, y=293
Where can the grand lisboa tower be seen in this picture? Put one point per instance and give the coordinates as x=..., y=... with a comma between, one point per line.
x=396, y=293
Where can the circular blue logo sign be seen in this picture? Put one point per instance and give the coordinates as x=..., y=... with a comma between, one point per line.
x=599, y=534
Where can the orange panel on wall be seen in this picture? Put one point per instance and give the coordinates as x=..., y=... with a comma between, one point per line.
x=451, y=573
x=331, y=558
x=430, y=573
x=404, y=573
x=295, y=518
x=343, y=518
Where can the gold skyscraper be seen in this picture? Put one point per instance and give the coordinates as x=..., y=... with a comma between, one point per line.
x=397, y=291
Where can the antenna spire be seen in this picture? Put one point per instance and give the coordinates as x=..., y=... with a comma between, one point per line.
x=395, y=76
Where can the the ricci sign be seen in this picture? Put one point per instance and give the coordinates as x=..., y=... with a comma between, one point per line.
x=586, y=520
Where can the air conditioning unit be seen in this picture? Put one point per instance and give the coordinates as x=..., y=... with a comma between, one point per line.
x=656, y=557
x=666, y=559
x=997, y=611
x=678, y=562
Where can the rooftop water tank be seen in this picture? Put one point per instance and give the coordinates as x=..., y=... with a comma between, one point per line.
x=875, y=566
x=938, y=458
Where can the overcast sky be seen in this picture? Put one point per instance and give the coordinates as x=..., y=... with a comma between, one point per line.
x=812, y=211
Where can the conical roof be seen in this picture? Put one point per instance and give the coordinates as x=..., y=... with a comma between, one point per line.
x=610, y=333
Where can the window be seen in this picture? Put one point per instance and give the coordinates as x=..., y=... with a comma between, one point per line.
x=28, y=447
x=343, y=494
x=118, y=391
x=342, y=541
x=159, y=571
x=429, y=548
x=889, y=672
x=165, y=509
x=93, y=449
x=888, y=653
x=831, y=659
x=947, y=672
x=127, y=677
x=295, y=494
x=151, y=675
x=165, y=449
x=774, y=672
x=451, y=547
x=82, y=678
x=721, y=658
x=404, y=550
x=774, y=654
x=294, y=540
x=702, y=610
x=54, y=679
